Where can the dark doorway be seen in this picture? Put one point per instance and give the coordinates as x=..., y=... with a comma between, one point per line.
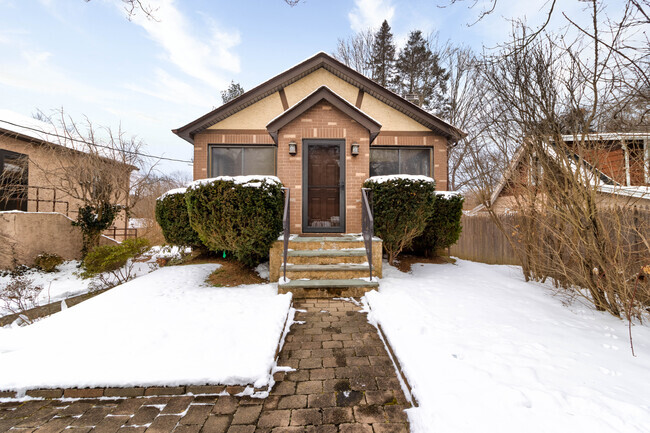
x=323, y=186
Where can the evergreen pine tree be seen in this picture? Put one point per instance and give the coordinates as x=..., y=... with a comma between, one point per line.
x=419, y=73
x=382, y=61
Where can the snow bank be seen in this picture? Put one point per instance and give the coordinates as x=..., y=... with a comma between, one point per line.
x=389, y=177
x=486, y=351
x=165, y=328
x=254, y=181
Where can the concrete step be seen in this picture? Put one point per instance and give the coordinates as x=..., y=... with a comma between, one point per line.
x=325, y=242
x=326, y=257
x=325, y=250
x=328, y=271
x=327, y=288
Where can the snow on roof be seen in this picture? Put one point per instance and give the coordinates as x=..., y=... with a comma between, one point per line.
x=607, y=136
x=27, y=126
x=49, y=133
x=630, y=191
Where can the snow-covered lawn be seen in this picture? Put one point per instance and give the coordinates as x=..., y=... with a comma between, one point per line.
x=487, y=352
x=62, y=284
x=66, y=282
x=165, y=328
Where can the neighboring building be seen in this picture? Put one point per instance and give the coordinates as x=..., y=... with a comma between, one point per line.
x=323, y=129
x=35, y=211
x=619, y=161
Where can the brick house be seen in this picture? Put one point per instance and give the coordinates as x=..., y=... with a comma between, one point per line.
x=621, y=162
x=322, y=129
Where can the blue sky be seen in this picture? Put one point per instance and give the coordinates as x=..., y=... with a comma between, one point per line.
x=153, y=76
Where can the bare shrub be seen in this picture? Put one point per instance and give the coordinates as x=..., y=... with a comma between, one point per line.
x=20, y=295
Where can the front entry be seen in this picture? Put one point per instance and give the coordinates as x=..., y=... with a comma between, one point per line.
x=323, y=186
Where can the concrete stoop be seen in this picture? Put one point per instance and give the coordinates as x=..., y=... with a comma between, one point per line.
x=326, y=267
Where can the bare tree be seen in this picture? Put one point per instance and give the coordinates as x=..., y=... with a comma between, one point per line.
x=465, y=93
x=144, y=210
x=133, y=7
x=92, y=168
x=542, y=89
x=356, y=52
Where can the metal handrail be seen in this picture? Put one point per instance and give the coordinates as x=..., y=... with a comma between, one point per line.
x=367, y=225
x=123, y=232
x=286, y=227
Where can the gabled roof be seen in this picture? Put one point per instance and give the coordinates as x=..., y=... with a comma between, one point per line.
x=320, y=60
x=326, y=94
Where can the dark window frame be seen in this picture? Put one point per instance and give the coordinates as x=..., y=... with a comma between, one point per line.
x=20, y=199
x=247, y=145
x=399, y=158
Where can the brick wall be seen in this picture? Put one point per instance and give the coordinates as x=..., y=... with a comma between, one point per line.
x=324, y=121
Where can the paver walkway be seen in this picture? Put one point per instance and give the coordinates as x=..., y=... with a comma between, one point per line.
x=344, y=382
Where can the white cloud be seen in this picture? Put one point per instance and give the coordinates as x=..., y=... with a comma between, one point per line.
x=203, y=51
x=370, y=13
x=169, y=88
x=34, y=71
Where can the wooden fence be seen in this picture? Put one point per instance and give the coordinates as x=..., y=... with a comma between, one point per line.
x=482, y=241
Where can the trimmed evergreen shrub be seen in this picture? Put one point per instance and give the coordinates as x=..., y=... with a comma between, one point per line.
x=443, y=225
x=48, y=262
x=401, y=208
x=241, y=215
x=172, y=216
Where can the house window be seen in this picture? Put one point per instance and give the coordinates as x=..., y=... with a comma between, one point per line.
x=400, y=161
x=242, y=160
x=13, y=180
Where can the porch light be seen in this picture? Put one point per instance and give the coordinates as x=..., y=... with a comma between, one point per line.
x=355, y=149
x=293, y=148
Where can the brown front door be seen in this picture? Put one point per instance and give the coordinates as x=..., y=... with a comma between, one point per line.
x=324, y=188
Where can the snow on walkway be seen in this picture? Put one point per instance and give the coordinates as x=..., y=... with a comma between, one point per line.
x=487, y=352
x=164, y=328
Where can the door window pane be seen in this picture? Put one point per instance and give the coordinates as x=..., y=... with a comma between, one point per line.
x=226, y=161
x=383, y=161
x=414, y=161
x=259, y=160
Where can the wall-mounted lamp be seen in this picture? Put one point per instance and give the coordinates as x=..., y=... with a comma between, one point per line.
x=293, y=148
x=355, y=149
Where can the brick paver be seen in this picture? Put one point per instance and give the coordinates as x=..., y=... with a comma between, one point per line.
x=344, y=382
